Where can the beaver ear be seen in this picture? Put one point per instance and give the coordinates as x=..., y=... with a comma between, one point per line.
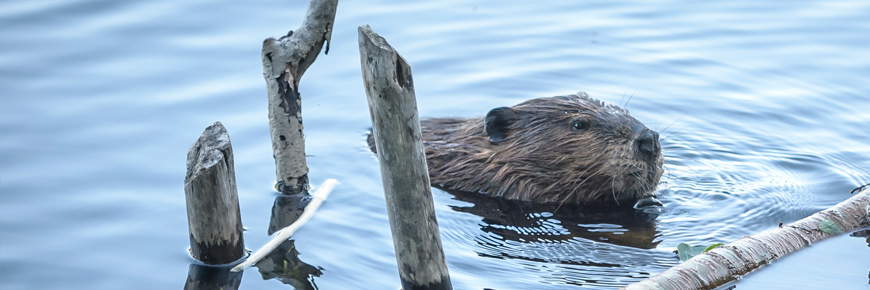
x=498, y=122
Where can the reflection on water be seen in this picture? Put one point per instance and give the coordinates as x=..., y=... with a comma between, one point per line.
x=207, y=277
x=526, y=222
x=862, y=234
x=567, y=244
x=286, y=210
x=283, y=263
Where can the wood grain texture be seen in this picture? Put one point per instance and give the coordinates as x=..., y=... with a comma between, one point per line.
x=396, y=129
x=213, y=215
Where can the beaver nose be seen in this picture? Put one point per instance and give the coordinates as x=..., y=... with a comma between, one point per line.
x=648, y=144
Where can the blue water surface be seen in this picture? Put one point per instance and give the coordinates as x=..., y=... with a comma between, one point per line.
x=763, y=110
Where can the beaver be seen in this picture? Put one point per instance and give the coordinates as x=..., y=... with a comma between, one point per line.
x=565, y=149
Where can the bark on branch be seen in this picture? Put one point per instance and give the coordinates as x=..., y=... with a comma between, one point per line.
x=284, y=62
x=726, y=263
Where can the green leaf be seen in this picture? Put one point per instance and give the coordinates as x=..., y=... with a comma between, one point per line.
x=686, y=252
x=829, y=227
x=713, y=246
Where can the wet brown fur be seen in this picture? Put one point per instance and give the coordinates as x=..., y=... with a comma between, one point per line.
x=543, y=158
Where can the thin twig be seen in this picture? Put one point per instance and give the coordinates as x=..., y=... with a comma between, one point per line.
x=285, y=233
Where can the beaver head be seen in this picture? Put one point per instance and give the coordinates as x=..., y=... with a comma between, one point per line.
x=565, y=149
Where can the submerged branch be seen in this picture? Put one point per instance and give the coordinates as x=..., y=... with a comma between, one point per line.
x=729, y=262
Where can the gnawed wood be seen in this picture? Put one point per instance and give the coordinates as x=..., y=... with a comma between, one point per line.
x=729, y=262
x=213, y=215
x=284, y=62
x=396, y=130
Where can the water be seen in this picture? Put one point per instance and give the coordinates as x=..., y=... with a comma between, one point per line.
x=762, y=107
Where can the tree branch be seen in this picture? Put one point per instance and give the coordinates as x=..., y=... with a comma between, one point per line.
x=284, y=62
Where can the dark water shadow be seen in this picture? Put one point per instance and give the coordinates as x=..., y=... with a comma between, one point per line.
x=526, y=222
x=207, y=277
x=286, y=210
x=865, y=233
x=283, y=263
x=569, y=244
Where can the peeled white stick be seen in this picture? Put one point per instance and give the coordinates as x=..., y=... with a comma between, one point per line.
x=285, y=233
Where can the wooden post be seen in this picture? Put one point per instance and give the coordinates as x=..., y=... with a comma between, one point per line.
x=396, y=130
x=213, y=215
x=284, y=62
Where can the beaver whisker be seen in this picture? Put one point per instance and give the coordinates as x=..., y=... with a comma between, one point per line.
x=629, y=98
x=647, y=185
x=662, y=131
x=598, y=191
x=586, y=179
x=644, y=184
x=613, y=191
x=669, y=175
x=577, y=186
x=582, y=174
x=674, y=133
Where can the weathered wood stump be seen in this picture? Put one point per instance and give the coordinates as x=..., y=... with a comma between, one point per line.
x=213, y=215
x=284, y=62
x=396, y=130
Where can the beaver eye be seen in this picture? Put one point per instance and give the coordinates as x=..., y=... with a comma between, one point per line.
x=579, y=125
